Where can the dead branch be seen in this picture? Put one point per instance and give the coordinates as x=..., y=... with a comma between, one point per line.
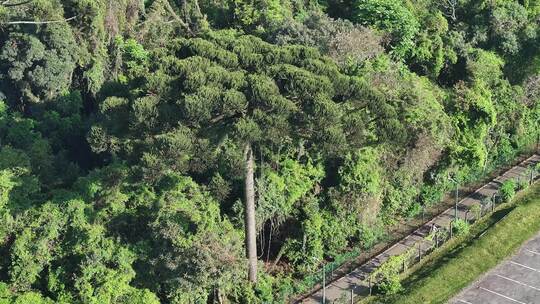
x=38, y=22
x=7, y=4
x=451, y=7
x=177, y=18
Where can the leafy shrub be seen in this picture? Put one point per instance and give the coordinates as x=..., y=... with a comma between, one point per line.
x=388, y=273
x=284, y=287
x=414, y=210
x=335, y=234
x=460, y=227
x=390, y=285
x=508, y=190
x=522, y=183
x=476, y=210
x=392, y=17
x=531, y=173
x=273, y=289
x=370, y=235
x=432, y=194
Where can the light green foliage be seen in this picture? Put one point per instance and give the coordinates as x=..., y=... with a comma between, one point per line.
x=410, y=106
x=400, y=199
x=26, y=185
x=53, y=231
x=134, y=57
x=31, y=297
x=6, y=185
x=107, y=182
x=307, y=252
x=412, y=110
x=387, y=275
x=474, y=116
x=431, y=194
x=8, y=181
x=508, y=190
x=280, y=190
x=516, y=125
x=360, y=189
x=183, y=200
x=264, y=16
x=390, y=285
x=484, y=66
x=336, y=233
x=476, y=211
x=123, y=130
x=532, y=6
x=430, y=52
x=392, y=17
x=194, y=248
x=460, y=227
x=98, y=24
x=522, y=183
x=98, y=283
x=361, y=174
x=31, y=250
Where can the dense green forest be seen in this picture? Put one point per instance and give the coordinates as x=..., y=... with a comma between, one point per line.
x=221, y=151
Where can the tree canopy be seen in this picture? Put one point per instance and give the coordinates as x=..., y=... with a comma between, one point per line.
x=160, y=151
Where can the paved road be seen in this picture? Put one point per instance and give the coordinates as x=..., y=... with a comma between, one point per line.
x=356, y=280
x=515, y=281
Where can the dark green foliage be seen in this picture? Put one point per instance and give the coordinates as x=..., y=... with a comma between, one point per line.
x=39, y=64
x=234, y=85
x=123, y=127
x=509, y=27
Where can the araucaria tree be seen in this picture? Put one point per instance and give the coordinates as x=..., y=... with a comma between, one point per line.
x=230, y=95
x=197, y=151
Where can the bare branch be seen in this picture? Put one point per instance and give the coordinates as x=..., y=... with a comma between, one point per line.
x=198, y=9
x=450, y=9
x=38, y=22
x=7, y=4
x=171, y=11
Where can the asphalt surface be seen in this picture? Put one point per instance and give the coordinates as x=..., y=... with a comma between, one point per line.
x=356, y=280
x=517, y=280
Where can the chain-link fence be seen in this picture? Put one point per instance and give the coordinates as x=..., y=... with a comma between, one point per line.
x=437, y=236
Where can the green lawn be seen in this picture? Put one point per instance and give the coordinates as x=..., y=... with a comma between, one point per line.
x=463, y=260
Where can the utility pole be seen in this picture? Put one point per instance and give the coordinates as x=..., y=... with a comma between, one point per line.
x=457, y=197
x=457, y=200
x=537, y=141
x=323, y=286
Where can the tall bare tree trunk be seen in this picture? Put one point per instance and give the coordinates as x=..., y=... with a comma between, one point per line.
x=251, y=234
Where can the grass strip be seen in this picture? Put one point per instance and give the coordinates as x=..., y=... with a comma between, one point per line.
x=462, y=260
